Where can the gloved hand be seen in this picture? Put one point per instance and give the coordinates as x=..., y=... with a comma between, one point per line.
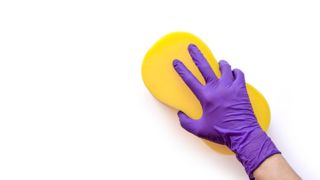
x=228, y=117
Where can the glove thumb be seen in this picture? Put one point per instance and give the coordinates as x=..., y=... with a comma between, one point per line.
x=187, y=123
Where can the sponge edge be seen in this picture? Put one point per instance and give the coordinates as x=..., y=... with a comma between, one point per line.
x=166, y=86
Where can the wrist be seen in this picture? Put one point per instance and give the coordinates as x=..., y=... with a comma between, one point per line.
x=252, y=148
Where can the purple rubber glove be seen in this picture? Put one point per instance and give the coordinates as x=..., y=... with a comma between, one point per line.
x=228, y=117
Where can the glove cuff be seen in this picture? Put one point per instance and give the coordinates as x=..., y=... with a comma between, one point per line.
x=253, y=148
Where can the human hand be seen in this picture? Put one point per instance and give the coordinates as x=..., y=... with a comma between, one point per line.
x=227, y=117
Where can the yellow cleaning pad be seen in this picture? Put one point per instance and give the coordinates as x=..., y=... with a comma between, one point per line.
x=165, y=84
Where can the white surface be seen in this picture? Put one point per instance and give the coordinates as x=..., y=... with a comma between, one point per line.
x=73, y=104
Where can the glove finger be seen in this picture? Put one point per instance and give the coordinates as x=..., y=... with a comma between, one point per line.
x=187, y=123
x=191, y=81
x=226, y=72
x=202, y=63
x=239, y=77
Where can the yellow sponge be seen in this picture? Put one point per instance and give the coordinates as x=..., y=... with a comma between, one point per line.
x=165, y=84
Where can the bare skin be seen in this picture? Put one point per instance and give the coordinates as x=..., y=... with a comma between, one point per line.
x=275, y=168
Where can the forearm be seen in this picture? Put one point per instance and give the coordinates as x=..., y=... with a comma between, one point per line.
x=275, y=167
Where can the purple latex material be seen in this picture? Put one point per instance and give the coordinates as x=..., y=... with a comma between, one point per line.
x=228, y=117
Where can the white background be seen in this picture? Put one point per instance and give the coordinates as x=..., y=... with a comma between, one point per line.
x=73, y=104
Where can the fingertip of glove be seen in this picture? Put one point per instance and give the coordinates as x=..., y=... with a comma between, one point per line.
x=223, y=62
x=175, y=62
x=192, y=46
